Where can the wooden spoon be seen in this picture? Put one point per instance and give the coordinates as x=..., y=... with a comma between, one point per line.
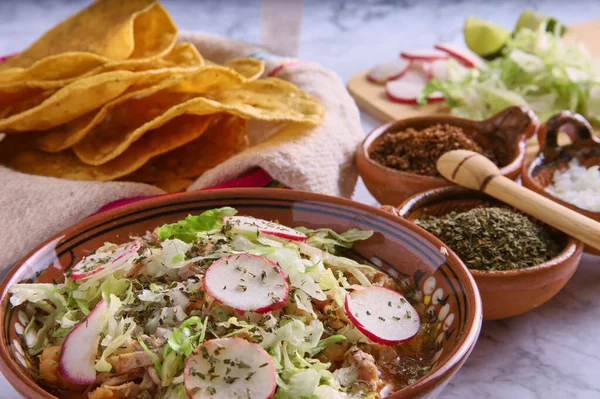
x=472, y=170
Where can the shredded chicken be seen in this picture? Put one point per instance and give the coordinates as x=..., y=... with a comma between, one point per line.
x=130, y=361
x=128, y=390
x=385, y=280
x=154, y=376
x=49, y=368
x=384, y=353
x=121, y=379
x=148, y=384
x=365, y=365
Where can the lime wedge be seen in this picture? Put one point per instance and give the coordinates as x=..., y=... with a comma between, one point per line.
x=483, y=37
x=531, y=20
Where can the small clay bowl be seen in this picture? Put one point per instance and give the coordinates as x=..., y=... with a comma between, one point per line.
x=505, y=134
x=503, y=293
x=538, y=172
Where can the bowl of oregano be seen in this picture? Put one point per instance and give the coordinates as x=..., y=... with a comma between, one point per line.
x=517, y=261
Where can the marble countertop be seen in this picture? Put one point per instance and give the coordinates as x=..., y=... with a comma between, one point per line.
x=552, y=352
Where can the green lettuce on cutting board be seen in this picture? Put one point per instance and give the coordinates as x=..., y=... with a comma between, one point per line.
x=533, y=67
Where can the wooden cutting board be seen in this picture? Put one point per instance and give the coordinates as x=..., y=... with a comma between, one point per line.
x=371, y=97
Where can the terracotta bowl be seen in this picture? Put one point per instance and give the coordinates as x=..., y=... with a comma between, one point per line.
x=503, y=293
x=505, y=133
x=443, y=284
x=539, y=171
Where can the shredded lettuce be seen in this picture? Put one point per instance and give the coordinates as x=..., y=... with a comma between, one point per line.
x=328, y=239
x=188, y=335
x=536, y=69
x=187, y=229
x=173, y=312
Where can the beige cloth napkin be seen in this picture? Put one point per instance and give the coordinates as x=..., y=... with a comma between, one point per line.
x=319, y=159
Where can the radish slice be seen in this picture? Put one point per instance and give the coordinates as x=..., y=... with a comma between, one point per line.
x=388, y=71
x=230, y=368
x=423, y=55
x=464, y=55
x=383, y=315
x=422, y=67
x=439, y=69
x=247, y=283
x=95, y=263
x=259, y=226
x=78, y=354
x=406, y=89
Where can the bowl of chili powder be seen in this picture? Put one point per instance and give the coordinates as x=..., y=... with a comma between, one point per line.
x=397, y=160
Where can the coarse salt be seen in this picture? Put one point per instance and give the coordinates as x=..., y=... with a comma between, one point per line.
x=577, y=185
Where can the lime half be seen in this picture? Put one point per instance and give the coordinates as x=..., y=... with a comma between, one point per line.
x=483, y=37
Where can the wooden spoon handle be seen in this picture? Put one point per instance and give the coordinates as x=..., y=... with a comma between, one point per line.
x=546, y=210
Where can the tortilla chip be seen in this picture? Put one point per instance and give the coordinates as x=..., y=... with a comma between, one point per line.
x=142, y=105
x=123, y=122
x=66, y=165
x=73, y=100
x=61, y=67
x=15, y=102
x=57, y=71
x=220, y=142
x=250, y=68
x=269, y=99
x=114, y=29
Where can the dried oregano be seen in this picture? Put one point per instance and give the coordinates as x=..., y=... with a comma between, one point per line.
x=493, y=238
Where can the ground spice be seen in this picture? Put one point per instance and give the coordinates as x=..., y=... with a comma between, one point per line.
x=417, y=151
x=493, y=238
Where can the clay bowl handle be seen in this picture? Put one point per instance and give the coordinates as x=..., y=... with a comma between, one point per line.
x=512, y=124
x=472, y=170
x=581, y=134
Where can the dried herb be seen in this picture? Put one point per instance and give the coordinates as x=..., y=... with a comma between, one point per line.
x=417, y=151
x=493, y=238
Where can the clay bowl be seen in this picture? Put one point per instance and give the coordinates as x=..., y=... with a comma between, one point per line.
x=503, y=293
x=442, y=284
x=538, y=172
x=505, y=133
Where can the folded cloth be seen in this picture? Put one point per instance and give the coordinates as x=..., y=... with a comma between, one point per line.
x=318, y=159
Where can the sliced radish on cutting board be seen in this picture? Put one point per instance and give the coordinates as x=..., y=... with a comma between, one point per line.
x=78, y=354
x=247, y=283
x=230, y=368
x=439, y=69
x=464, y=55
x=383, y=315
x=423, y=55
x=95, y=263
x=259, y=226
x=406, y=89
x=388, y=71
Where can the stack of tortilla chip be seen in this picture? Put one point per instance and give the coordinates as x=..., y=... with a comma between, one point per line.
x=107, y=94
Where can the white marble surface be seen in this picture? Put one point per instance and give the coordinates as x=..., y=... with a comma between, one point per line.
x=552, y=352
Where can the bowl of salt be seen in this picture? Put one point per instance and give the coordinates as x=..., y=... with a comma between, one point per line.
x=567, y=174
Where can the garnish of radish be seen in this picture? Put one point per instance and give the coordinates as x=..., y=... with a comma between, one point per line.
x=406, y=89
x=95, y=263
x=423, y=55
x=439, y=70
x=383, y=315
x=230, y=368
x=248, y=224
x=247, y=283
x=388, y=71
x=78, y=354
x=463, y=55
